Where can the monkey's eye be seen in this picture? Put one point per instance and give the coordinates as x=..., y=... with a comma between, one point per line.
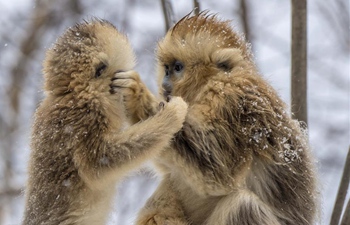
x=178, y=67
x=100, y=70
x=225, y=66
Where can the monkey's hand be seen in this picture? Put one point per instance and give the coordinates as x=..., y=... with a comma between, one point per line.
x=175, y=107
x=139, y=102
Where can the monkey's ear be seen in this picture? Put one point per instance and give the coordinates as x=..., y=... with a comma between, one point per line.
x=225, y=59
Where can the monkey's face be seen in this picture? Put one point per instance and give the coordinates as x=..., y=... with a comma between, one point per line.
x=85, y=59
x=197, y=50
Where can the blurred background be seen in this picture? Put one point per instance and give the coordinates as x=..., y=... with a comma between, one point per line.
x=28, y=28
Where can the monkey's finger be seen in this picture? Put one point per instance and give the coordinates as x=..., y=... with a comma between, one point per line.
x=133, y=75
x=114, y=91
x=120, y=89
x=125, y=84
x=161, y=106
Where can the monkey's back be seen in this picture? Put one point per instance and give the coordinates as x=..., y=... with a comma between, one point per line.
x=56, y=192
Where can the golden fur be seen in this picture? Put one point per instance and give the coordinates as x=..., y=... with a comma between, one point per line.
x=239, y=158
x=81, y=143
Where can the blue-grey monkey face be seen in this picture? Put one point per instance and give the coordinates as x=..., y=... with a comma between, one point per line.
x=172, y=72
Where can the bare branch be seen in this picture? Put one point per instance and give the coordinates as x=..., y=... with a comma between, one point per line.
x=28, y=45
x=10, y=193
x=245, y=19
x=125, y=21
x=196, y=6
x=342, y=191
x=168, y=14
x=19, y=73
x=336, y=16
x=42, y=18
x=346, y=215
x=76, y=6
x=299, y=60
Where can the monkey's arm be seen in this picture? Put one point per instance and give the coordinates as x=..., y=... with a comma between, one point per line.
x=125, y=150
x=139, y=102
x=208, y=146
x=163, y=207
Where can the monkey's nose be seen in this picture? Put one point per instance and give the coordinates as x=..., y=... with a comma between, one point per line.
x=167, y=88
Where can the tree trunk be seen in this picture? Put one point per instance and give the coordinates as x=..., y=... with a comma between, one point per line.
x=299, y=60
x=342, y=191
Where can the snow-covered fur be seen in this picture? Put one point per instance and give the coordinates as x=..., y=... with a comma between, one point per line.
x=239, y=158
x=81, y=143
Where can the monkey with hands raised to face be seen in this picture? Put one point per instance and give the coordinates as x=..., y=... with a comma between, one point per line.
x=81, y=144
x=239, y=158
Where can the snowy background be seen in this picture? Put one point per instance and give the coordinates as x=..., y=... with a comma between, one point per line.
x=28, y=28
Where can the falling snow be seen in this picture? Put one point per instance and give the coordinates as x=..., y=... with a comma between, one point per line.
x=326, y=111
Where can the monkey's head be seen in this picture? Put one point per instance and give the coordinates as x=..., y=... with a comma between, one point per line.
x=85, y=58
x=194, y=51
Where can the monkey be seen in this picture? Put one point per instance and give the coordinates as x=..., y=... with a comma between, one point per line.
x=82, y=142
x=239, y=158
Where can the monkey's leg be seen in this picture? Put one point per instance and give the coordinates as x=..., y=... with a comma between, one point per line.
x=126, y=150
x=162, y=207
x=140, y=103
x=242, y=207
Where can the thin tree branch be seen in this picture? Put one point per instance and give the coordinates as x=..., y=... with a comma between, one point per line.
x=336, y=15
x=245, y=19
x=168, y=14
x=299, y=60
x=346, y=215
x=196, y=6
x=28, y=46
x=43, y=17
x=10, y=193
x=342, y=191
x=19, y=73
x=125, y=21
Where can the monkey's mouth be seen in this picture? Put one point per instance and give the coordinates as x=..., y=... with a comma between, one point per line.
x=166, y=94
